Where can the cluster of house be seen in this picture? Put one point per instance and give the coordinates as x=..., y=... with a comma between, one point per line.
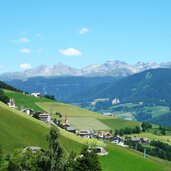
x=140, y=140
x=45, y=117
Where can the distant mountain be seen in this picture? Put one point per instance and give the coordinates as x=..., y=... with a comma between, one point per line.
x=63, y=88
x=115, y=69
x=151, y=86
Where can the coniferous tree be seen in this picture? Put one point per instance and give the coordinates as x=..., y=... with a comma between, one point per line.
x=55, y=152
x=88, y=161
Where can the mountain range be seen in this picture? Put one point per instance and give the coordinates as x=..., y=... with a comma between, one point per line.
x=115, y=69
x=150, y=86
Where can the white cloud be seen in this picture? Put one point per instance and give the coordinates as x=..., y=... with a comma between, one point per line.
x=24, y=40
x=25, y=66
x=21, y=40
x=84, y=30
x=25, y=50
x=70, y=52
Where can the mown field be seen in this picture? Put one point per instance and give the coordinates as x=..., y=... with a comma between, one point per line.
x=119, y=123
x=69, y=110
x=87, y=123
x=78, y=117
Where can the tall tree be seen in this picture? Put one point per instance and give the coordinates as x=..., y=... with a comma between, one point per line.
x=55, y=151
x=88, y=161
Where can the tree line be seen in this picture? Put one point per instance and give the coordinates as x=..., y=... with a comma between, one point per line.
x=145, y=126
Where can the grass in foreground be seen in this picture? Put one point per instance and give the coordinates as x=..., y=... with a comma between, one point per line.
x=19, y=130
x=122, y=159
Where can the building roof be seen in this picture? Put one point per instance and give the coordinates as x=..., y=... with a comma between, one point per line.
x=70, y=128
x=43, y=115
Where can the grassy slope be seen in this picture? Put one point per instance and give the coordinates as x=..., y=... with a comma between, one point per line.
x=77, y=113
x=122, y=159
x=119, y=123
x=165, y=139
x=71, y=111
x=19, y=130
x=25, y=100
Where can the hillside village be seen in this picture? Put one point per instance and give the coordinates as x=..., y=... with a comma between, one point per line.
x=116, y=137
x=124, y=137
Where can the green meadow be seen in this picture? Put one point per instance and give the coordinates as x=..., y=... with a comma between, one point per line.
x=69, y=110
x=19, y=130
x=119, y=123
x=87, y=123
x=26, y=101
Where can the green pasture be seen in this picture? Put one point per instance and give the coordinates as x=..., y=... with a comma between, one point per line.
x=26, y=101
x=69, y=110
x=125, y=159
x=19, y=130
x=119, y=123
x=87, y=123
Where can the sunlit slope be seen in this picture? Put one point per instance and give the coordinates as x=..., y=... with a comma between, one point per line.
x=18, y=130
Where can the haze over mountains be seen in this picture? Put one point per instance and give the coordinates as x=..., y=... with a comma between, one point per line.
x=110, y=68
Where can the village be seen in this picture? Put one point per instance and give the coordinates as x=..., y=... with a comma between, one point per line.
x=107, y=136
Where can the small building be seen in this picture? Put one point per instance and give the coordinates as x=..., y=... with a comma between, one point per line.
x=104, y=135
x=136, y=139
x=45, y=118
x=101, y=151
x=145, y=140
x=115, y=101
x=36, y=94
x=117, y=139
x=11, y=103
x=107, y=113
x=71, y=129
x=28, y=111
x=85, y=133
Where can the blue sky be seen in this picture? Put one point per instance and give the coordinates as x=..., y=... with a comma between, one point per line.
x=83, y=32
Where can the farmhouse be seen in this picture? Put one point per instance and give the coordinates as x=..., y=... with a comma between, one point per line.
x=36, y=94
x=71, y=129
x=86, y=133
x=27, y=111
x=104, y=135
x=45, y=118
x=101, y=151
x=11, y=103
